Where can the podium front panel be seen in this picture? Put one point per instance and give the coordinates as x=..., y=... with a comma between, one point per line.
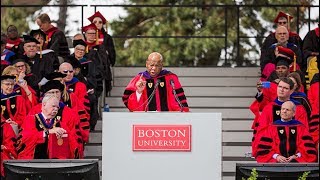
x=120, y=161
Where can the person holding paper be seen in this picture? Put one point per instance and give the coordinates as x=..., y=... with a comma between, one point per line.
x=155, y=89
x=33, y=141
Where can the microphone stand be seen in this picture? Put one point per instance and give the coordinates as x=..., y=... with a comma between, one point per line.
x=152, y=94
x=175, y=95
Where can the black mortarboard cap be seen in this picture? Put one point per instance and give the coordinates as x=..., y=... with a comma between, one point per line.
x=53, y=84
x=54, y=75
x=36, y=32
x=28, y=39
x=79, y=42
x=18, y=60
x=282, y=61
x=4, y=77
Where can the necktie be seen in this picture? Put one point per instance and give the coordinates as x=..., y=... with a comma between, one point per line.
x=48, y=121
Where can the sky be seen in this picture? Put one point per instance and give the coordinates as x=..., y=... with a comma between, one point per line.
x=113, y=13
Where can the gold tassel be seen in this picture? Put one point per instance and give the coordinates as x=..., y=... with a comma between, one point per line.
x=288, y=19
x=40, y=51
x=97, y=37
x=87, y=49
x=47, y=39
x=294, y=63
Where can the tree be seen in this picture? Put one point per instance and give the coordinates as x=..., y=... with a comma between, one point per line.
x=17, y=15
x=194, y=21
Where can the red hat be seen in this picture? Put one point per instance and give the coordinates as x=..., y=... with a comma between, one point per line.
x=97, y=14
x=90, y=26
x=282, y=14
x=286, y=52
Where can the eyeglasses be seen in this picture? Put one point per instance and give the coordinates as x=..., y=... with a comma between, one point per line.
x=21, y=66
x=53, y=92
x=66, y=71
x=80, y=49
x=100, y=22
x=12, y=30
x=31, y=46
x=91, y=33
x=8, y=84
x=282, y=22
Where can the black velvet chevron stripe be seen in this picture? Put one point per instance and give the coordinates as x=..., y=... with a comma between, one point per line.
x=263, y=152
x=283, y=140
x=266, y=139
x=292, y=140
x=262, y=146
x=307, y=138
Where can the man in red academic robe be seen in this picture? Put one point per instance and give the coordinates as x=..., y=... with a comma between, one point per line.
x=271, y=112
x=34, y=137
x=155, y=89
x=286, y=140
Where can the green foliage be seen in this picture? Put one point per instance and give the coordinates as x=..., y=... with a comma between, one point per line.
x=254, y=175
x=194, y=21
x=304, y=175
x=17, y=16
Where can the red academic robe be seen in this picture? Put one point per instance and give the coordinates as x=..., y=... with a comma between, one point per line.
x=163, y=99
x=313, y=95
x=14, y=107
x=80, y=90
x=285, y=140
x=70, y=115
x=7, y=139
x=31, y=138
x=271, y=113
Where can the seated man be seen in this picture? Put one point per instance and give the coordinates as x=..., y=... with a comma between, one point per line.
x=35, y=134
x=271, y=111
x=287, y=140
x=155, y=89
x=282, y=36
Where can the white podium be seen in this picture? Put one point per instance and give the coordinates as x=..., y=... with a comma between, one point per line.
x=121, y=162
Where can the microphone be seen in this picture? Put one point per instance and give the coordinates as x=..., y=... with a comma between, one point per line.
x=152, y=94
x=175, y=94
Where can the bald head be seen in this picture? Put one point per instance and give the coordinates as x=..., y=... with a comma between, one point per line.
x=288, y=110
x=66, y=68
x=154, y=64
x=282, y=35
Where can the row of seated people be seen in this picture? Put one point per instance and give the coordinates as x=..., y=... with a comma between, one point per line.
x=43, y=50
x=277, y=138
x=60, y=113
x=305, y=50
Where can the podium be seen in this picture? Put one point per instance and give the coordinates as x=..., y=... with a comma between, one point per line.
x=161, y=145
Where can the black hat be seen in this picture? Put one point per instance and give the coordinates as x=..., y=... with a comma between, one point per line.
x=79, y=42
x=54, y=75
x=75, y=63
x=28, y=39
x=36, y=32
x=8, y=77
x=18, y=60
x=53, y=84
x=282, y=61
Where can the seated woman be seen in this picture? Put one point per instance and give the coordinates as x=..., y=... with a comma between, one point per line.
x=21, y=86
x=13, y=105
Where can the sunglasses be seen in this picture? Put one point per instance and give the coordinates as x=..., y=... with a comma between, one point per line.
x=100, y=22
x=66, y=71
x=282, y=22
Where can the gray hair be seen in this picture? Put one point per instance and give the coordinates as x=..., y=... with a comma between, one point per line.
x=47, y=97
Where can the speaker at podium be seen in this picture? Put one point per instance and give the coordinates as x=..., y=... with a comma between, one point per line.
x=52, y=169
